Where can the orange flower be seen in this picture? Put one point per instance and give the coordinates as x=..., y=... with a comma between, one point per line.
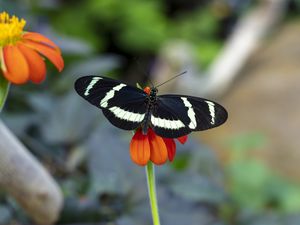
x=152, y=147
x=20, y=52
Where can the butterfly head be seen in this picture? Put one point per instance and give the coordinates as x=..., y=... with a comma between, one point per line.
x=147, y=90
x=152, y=92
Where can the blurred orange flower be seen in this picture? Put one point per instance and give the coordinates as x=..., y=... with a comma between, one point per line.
x=152, y=147
x=21, y=52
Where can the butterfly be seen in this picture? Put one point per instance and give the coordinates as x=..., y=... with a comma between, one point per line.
x=129, y=108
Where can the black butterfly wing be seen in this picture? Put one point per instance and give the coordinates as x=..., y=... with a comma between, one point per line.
x=177, y=115
x=123, y=105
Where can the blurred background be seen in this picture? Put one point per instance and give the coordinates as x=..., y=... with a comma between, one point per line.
x=245, y=54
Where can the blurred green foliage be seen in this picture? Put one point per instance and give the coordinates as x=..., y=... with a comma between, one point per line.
x=255, y=187
x=139, y=27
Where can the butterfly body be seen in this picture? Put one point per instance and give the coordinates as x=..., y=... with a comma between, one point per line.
x=150, y=103
x=128, y=107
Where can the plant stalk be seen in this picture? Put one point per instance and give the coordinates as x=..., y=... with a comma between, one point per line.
x=152, y=193
x=4, y=88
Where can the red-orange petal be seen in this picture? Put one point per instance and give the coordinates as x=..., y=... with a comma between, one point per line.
x=140, y=148
x=17, y=69
x=53, y=55
x=37, y=67
x=182, y=139
x=40, y=38
x=158, y=149
x=171, y=147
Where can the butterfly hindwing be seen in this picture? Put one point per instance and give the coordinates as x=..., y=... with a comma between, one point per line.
x=123, y=105
x=178, y=115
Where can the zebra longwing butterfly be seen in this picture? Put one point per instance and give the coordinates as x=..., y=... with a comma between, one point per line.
x=128, y=107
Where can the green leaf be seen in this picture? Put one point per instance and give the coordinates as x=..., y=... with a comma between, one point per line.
x=4, y=88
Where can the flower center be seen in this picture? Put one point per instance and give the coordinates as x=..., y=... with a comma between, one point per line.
x=11, y=29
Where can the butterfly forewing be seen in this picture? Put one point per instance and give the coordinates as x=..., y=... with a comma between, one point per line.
x=167, y=119
x=209, y=114
x=178, y=115
x=123, y=105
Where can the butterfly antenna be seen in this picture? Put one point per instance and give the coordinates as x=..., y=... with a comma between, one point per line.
x=151, y=82
x=172, y=78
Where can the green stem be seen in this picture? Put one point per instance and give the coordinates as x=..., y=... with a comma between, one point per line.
x=152, y=193
x=4, y=88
